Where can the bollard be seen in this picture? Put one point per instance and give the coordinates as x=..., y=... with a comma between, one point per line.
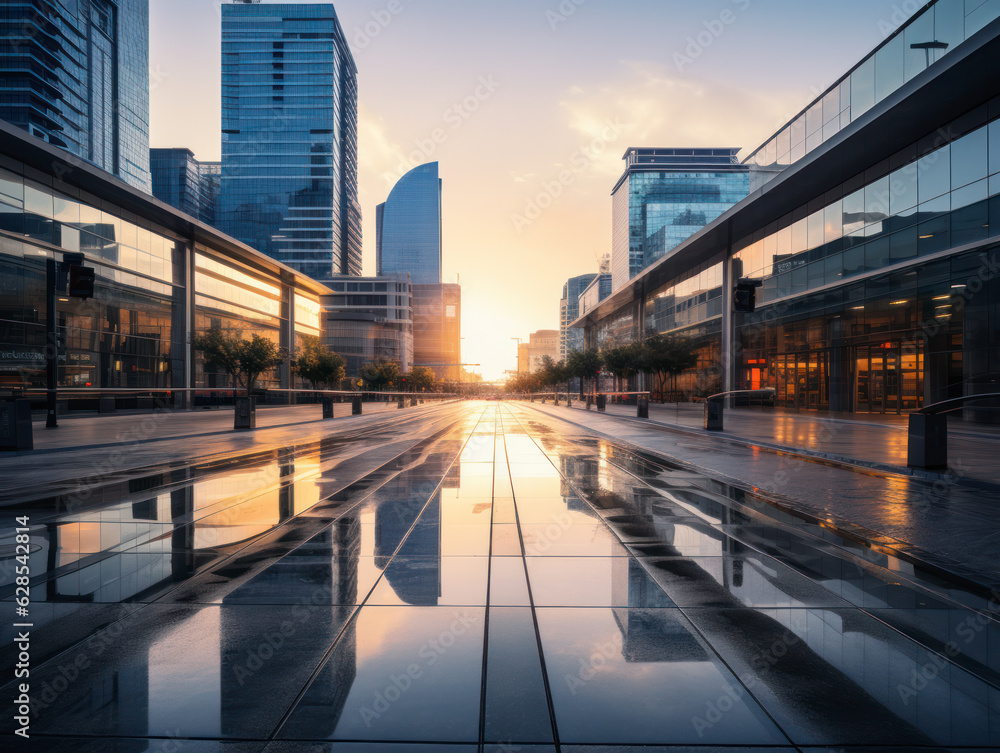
x=244, y=413
x=402, y=402
x=927, y=441
x=602, y=403
x=15, y=426
x=590, y=402
x=413, y=402
x=327, y=408
x=543, y=401
x=643, y=408
x=569, y=401
x=556, y=401
x=532, y=397
x=356, y=408
x=713, y=415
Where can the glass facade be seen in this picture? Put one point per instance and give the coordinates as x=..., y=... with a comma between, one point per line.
x=369, y=318
x=571, y=338
x=664, y=197
x=76, y=74
x=289, y=136
x=437, y=329
x=154, y=286
x=902, y=57
x=185, y=183
x=596, y=292
x=409, y=227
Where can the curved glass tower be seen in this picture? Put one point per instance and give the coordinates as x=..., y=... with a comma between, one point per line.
x=408, y=233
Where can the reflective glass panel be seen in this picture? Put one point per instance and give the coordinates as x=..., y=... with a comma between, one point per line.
x=934, y=174
x=969, y=158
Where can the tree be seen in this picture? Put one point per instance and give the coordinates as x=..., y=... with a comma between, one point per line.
x=584, y=364
x=317, y=364
x=381, y=374
x=623, y=361
x=421, y=378
x=668, y=356
x=243, y=360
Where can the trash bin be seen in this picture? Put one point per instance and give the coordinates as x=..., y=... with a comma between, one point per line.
x=245, y=413
x=402, y=402
x=356, y=407
x=15, y=426
x=927, y=441
x=106, y=405
x=642, y=411
x=602, y=403
x=327, y=408
x=713, y=415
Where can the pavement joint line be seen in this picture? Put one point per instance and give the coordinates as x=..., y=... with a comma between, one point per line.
x=107, y=445
x=321, y=663
x=864, y=467
x=171, y=464
x=841, y=527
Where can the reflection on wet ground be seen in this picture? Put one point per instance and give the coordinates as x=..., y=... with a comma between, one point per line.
x=500, y=585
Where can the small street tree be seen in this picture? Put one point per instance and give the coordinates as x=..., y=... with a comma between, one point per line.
x=421, y=379
x=668, y=356
x=244, y=360
x=584, y=364
x=381, y=374
x=318, y=365
x=623, y=361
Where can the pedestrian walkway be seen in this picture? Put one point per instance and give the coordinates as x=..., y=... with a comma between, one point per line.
x=95, y=450
x=507, y=583
x=877, y=442
x=946, y=522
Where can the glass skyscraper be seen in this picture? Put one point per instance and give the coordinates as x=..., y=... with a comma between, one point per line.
x=185, y=183
x=76, y=74
x=289, y=136
x=408, y=227
x=664, y=197
x=571, y=338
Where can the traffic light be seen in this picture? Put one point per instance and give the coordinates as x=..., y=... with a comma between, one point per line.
x=745, y=295
x=81, y=281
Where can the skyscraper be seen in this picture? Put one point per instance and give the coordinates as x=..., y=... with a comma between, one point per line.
x=664, y=197
x=408, y=227
x=185, y=183
x=571, y=338
x=76, y=74
x=290, y=137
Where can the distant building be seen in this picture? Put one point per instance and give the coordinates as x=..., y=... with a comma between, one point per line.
x=185, y=183
x=290, y=136
x=408, y=227
x=76, y=74
x=596, y=292
x=369, y=318
x=437, y=329
x=570, y=338
x=664, y=197
x=530, y=355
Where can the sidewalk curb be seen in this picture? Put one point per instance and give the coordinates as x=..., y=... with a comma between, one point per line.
x=868, y=468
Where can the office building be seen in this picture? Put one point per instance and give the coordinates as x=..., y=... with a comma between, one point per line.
x=368, y=319
x=594, y=293
x=665, y=196
x=185, y=183
x=76, y=74
x=160, y=279
x=437, y=329
x=530, y=355
x=289, y=136
x=571, y=338
x=408, y=227
x=876, y=239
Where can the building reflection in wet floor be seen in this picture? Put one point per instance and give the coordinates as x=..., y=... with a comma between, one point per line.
x=505, y=582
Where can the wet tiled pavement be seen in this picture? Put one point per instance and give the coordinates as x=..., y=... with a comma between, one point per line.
x=499, y=585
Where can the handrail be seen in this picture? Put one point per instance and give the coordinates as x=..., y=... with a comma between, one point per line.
x=765, y=390
x=168, y=390
x=957, y=402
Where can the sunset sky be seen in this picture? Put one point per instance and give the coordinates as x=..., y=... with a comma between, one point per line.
x=519, y=92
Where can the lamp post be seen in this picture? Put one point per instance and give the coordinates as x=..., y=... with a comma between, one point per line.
x=927, y=47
